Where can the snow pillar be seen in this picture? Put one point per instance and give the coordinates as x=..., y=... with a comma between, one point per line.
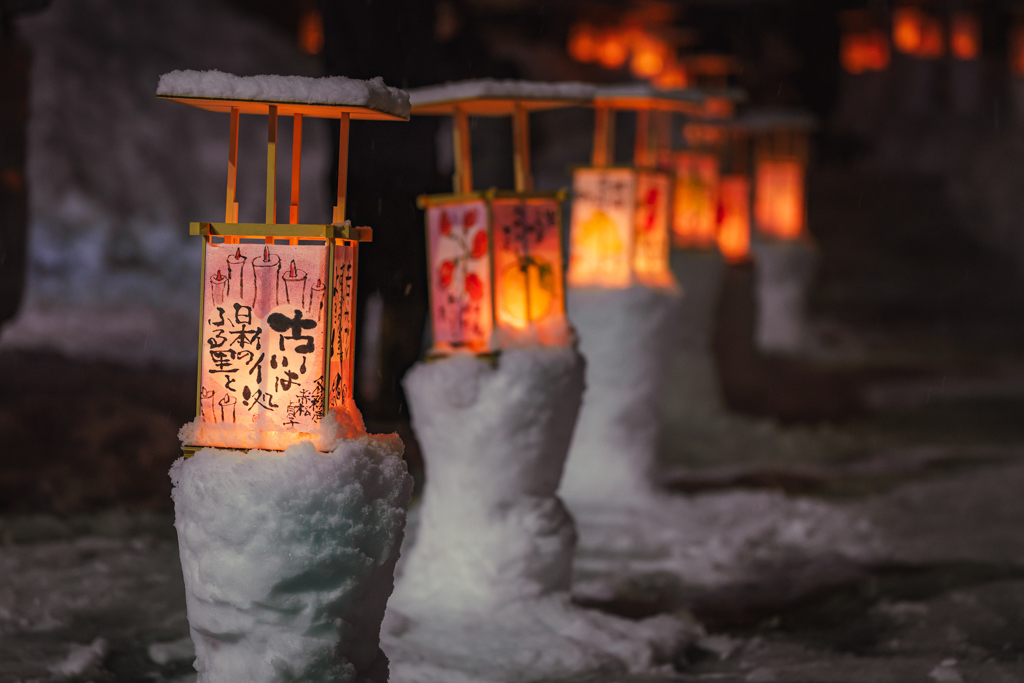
x=784, y=271
x=626, y=337
x=494, y=439
x=289, y=558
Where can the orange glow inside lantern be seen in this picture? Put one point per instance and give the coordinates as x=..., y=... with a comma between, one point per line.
x=933, y=38
x=650, y=57
x=965, y=36
x=907, y=29
x=779, y=197
x=864, y=51
x=734, y=218
x=1017, y=51
x=619, y=229
x=612, y=49
x=495, y=263
x=584, y=41
x=695, y=207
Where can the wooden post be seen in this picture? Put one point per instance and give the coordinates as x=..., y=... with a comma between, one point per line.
x=231, y=207
x=521, y=149
x=339, y=206
x=271, y=215
x=642, y=145
x=604, y=137
x=462, y=180
x=293, y=213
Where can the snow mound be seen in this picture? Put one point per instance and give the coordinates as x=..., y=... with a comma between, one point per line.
x=785, y=273
x=288, y=558
x=330, y=90
x=82, y=658
x=625, y=335
x=494, y=441
x=489, y=88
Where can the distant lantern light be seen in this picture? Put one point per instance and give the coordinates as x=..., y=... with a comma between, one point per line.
x=779, y=197
x=494, y=258
x=311, y=31
x=1016, y=50
x=583, y=43
x=278, y=300
x=965, y=36
x=674, y=77
x=908, y=29
x=612, y=50
x=650, y=57
x=933, y=38
x=863, y=51
x=695, y=202
x=734, y=218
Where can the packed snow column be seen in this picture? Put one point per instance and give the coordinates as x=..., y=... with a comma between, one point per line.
x=289, y=558
x=494, y=440
x=289, y=550
x=783, y=271
x=623, y=297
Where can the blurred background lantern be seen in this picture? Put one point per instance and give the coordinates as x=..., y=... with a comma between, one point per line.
x=780, y=158
x=621, y=216
x=908, y=28
x=734, y=217
x=863, y=44
x=495, y=257
x=277, y=310
x=965, y=36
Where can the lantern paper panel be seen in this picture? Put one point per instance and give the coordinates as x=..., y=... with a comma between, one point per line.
x=734, y=218
x=264, y=333
x=695, y=211
x=779, y=198
x=529, y=292
x=601, y=233
x=651, y=245
x=460, y=275
x=342, y=340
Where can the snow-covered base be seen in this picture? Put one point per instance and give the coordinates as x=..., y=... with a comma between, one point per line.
x=289, y=558
x=626, y=337
x=494, y=443
x=784, y=273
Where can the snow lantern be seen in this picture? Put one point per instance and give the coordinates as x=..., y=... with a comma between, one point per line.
x=965, y=36
x=863, y=45
x=780, y=163
x=734, y=217
x=495, y=256
x=621, y=215
x=278, y=300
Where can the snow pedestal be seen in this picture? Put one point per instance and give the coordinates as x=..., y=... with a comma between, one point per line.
x=626, y=337
x=288, y=558
x=784, y=271
x=494, y=443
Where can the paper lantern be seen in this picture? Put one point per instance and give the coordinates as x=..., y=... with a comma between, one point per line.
x=907, y=29
x=965, y=36
x=734, y=218
x=583, y=43
x=695, y=206
x=278, y=300
x=495, y=257
x=779, y=197
x=863, y=51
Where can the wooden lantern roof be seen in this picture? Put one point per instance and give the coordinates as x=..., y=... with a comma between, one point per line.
x=488, y=97
x=644, y=97
x=327, y=98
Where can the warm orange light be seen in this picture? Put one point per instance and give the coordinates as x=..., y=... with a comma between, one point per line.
x=779, y=198
x=907, y=29
x=965, y=36
x=650, y=57
x=933, y=38
x=734, y=218
x=695, y=214
x=311, y=31
x=583, y=43
x=612, y=50
x=864, y=51
x=1017, y=51
x=529, y=292
x=674, y=77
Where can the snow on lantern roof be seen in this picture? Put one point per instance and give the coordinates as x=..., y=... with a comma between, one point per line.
x=328, y=97
x=645, y=96
x=490, y=97
x=768, y=119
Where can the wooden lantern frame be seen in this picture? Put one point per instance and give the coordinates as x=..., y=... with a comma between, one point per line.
x=339, y=233
x=654, y=111
x=519, y=108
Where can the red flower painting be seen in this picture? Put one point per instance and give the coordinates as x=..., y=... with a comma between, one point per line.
x=474, y=287
x=479, y=244
x=447, y=272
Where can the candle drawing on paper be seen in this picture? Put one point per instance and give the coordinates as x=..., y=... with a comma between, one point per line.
x=265, y=273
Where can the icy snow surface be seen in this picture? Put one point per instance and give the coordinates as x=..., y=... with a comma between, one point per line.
x=115, y=174
x=483, y=594
x=288, y=558
x=625, y=335
x=784, y=272
x=489, y=88
x=330, y=90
